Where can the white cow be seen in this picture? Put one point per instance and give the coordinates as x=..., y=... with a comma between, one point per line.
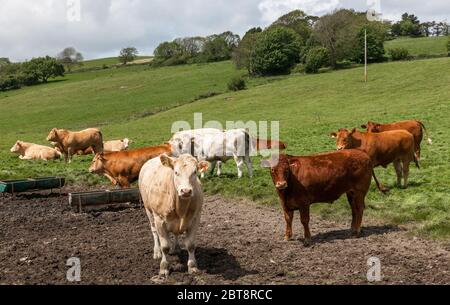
x=173, y=199
x=30, y=151
x=216, y=146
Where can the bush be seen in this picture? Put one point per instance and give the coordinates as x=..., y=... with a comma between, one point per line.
x=276, y=52
x=316, y=58
x=237, y=83
x=399, y=54
x=299, y=69
x=448, y=46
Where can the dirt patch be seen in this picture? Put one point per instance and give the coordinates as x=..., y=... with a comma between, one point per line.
x=238, y=243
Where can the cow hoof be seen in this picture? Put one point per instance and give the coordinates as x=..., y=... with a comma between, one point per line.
x=307, y=242
x=193, y=270
x=164, y=272
x=157, y=256
x=287, y=238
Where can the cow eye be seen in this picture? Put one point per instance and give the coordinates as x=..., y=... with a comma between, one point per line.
x=177, y=173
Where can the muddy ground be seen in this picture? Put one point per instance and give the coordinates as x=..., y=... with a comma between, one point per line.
x=239, y=242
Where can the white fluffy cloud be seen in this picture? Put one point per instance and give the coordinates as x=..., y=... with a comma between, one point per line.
x=39, y=27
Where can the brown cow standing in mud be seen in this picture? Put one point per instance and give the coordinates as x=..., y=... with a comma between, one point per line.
x=302, y=181
x=396, y=146
x=122, y=168
x=416, y=128
x=69, y=142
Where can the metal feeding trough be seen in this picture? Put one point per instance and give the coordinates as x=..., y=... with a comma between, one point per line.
x=28, y=185
x=102, y=199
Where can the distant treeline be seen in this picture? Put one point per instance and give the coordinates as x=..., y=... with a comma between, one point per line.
x=297, y=40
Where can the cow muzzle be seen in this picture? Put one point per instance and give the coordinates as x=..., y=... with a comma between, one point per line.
x=339, y=148
x=281, y=185
x=185, y=193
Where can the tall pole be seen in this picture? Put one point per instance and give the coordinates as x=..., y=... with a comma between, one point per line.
x=365, y=55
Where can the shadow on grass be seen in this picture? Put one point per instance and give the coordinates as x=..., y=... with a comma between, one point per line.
x=217, y=261
x=346, y=234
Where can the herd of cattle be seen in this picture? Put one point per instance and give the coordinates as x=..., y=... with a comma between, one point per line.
x=169, y=181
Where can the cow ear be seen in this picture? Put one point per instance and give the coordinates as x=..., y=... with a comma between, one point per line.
x=203, y=166
x=266, y=164
x=364, y=126
x=167, y=161
x=353, y=131
x=333, y=135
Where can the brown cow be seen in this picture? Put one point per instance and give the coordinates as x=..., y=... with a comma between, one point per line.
x=416, y=128
x=302, y=181
x=70, y=142
x=396, y=146
x=122, y=168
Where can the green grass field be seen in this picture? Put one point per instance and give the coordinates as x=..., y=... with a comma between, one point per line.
x=307, y=107
x=422, y=46
x=99, y=63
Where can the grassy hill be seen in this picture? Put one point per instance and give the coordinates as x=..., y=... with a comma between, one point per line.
x=307, y=107
x=422, y=46
x=109, y=61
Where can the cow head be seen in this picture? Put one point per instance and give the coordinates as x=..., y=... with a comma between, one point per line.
x=372, y=127
x=344, y=139
x=180, y=146
x=17, y=148
x=97, y=165
x=279, y=170
x=185, y=169
x=53, y=135
x=126, y=143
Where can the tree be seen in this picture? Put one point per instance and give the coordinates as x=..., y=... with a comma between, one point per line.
x=70, y=57
x=338, y=33
x=298, y=21
x=43, y=68
x=375, y=44
x=216, y=48
x=316, y=58
x=242, y=54
x=276, y=51
x=189, y=46
x=128, y=55
x=448, y=47
x=408, y=26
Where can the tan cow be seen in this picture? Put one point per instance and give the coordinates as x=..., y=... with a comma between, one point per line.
x=30, y=151
x=173, y=199
x=70, y=142
x=109, y=146
x=396, y=146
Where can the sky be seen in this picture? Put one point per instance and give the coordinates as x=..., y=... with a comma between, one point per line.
x=100, y=28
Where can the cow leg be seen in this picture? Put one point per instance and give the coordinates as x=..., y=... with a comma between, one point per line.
x=240, y=165
x=69, y=153
x=123, y=181
x=156, y=246
x=66, y=157
x=359, y=209
x=164, y=241
x=213, y=168
x=405, y=173
x=304, y=215
x=289, y=217
x=189, y=242
x=398, y=170
x=248, y=162
x=351, y=201
x=219, y=168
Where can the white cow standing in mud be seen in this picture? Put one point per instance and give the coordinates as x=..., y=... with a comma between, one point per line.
x=173, y=200
x=216, y=146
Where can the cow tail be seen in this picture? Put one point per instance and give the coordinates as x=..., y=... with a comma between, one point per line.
x=416, y=160
x=380, y=187
x=429, y=140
